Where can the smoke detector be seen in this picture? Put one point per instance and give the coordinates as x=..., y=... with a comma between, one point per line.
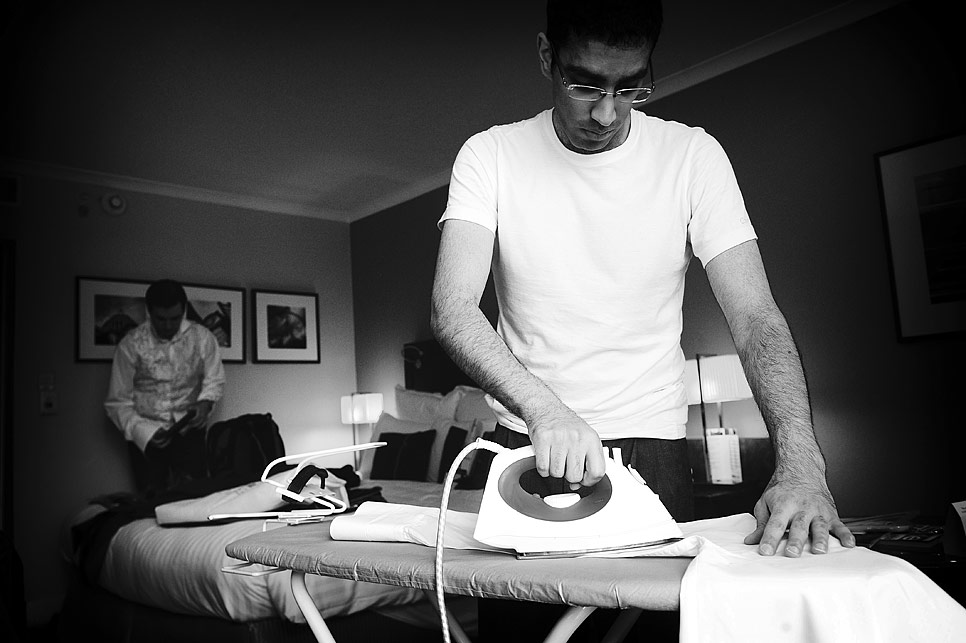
x=113, y=204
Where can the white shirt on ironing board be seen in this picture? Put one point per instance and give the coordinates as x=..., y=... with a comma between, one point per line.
x=732, y=594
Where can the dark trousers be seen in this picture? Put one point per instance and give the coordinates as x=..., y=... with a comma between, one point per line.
x=181, y=461
x=665, y=467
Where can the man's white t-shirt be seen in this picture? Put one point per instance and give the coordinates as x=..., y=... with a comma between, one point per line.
x=590, y=255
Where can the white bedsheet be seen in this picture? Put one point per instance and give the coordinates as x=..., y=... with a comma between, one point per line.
x=179, y=569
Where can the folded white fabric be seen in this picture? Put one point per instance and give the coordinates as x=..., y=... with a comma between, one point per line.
x=251, y=497
x=390, y=522
x=731, y=593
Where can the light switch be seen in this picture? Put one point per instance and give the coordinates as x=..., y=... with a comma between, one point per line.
x=48, y=394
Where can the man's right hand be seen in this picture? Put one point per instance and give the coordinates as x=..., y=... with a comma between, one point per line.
x=161, y=437
x=187, y=422
x=566, y=447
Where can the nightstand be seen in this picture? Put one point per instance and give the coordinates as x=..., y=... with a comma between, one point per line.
x=921, y=544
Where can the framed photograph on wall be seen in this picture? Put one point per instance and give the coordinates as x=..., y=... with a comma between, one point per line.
x=923, y=189
x=106, y=309
x=285, y=327
x=222, y=310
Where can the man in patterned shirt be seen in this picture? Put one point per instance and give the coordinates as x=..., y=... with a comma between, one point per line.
x=166, y=378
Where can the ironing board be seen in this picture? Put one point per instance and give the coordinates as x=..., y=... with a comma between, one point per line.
x=583, y=583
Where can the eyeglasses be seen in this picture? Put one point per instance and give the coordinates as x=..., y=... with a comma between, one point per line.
x=589, y=93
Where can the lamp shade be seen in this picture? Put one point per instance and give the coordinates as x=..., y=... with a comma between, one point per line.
x=361, y=408
x=691, y=381
x=722, y=379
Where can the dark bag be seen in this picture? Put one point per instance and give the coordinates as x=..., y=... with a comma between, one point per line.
x=238, y=450
x=227, y=454
x=230, y=453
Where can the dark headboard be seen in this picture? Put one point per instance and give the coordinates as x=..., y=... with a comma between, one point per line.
x=429, y=368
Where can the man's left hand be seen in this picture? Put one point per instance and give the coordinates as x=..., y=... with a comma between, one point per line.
x=805, y=509
x=202, y=409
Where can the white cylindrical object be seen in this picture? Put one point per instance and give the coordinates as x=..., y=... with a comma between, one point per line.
x=724, y=456
x=361, y=408
x=722, y=379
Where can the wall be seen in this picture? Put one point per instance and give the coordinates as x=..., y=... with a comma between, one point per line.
x=393, y=263
x=63, y=460
x=802, y=128
x=393, y=260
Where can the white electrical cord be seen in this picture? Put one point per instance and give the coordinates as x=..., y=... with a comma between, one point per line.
x=479, y=443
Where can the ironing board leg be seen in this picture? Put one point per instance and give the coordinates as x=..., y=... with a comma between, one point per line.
x=309, y=609
x=456, y=631
x=622, y=625
x=568, y=624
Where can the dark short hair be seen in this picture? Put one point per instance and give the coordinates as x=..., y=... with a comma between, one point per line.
x=165, y=293
x=617, y=23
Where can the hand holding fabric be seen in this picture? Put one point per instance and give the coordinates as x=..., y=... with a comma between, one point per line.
x=163, y=436
x=199, y=413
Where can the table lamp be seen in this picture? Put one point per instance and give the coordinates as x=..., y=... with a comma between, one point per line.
x=717, y=379
x=360, y=408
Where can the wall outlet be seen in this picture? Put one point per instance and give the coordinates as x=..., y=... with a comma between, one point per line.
x=48, y=403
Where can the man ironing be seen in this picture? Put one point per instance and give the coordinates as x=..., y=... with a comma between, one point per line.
x=589, y=213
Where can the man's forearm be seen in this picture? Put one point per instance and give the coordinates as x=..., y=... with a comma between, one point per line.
x=469, y=339
x=774, y=370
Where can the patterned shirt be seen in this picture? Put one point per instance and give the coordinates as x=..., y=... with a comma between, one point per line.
x=153, y=381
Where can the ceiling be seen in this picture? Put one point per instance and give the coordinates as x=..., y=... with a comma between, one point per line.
x=311, y=107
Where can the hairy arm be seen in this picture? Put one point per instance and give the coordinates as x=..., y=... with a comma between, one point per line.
x=564, y=445
x=797, y=497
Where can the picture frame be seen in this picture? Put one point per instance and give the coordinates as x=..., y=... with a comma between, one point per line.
x=923, y=194
x=222, y=310
x=285, y=327
x=106, y=309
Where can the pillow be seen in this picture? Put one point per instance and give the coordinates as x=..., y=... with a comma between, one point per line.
x=405, y=456
x=458, y=436
x=472, y=406
x=420, y=406
x=388, y=424
x=451, y=436
x=479, y=469
x=447, y=408
x=456, y=439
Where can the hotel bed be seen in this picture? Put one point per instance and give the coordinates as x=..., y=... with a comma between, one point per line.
x=166, y=582
x=160, y=582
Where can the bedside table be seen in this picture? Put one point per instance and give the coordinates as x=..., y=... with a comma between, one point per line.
x=717, y=500
x=921, y=544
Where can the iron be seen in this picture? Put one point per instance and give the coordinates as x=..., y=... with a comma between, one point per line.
x=541, y=517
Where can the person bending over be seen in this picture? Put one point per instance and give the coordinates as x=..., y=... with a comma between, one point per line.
x=166, y=377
